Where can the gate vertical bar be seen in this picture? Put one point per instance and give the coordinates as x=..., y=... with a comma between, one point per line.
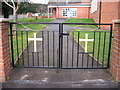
x=22, y=48
x=12, y=51
x=53, y=49
x=78, y=49
x=27, y=47
x=72, y=49
x=43, y=48
x=48, y=46
x=110, y=41
x=67, y=49
x=59, y=46
x=104, y=49
x=98, y=60
x=17, y=47
x=93, y=49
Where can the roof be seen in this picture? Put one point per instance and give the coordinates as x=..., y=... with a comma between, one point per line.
x=17, y=1
x=83, y=5
x=70, y=1
x=64, y=2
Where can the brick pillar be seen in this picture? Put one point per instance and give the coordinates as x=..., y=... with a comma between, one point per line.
x=115, y=62
x=5, y=67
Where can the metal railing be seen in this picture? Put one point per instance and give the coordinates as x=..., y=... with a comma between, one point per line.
x=71, y=52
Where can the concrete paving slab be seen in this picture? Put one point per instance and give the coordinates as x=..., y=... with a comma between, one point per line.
x=49, y=78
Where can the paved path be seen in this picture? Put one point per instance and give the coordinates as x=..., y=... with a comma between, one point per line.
x=49, y=78
x=47, y=50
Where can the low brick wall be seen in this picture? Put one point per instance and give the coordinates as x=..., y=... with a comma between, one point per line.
x=5, y=67
x=115, y=62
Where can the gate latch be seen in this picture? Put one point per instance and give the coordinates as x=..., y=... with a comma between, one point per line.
x=64, y=34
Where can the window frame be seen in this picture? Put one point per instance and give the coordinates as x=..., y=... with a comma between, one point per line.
x=73, y=11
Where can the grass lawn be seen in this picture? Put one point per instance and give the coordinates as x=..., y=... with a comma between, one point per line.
x=33, y=26
x=79, y=20
x=101, y=39
x=20, y=39
x=100, y=44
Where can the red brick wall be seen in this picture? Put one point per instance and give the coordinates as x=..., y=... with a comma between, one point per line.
x=115, y=62
x=109, y=12
x=5, y=66
x=82, y=12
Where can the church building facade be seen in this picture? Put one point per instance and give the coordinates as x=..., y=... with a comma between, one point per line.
x=101, y=12
x=69, y=9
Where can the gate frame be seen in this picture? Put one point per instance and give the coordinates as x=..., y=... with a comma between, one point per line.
x=110, y=42
x=61, y=34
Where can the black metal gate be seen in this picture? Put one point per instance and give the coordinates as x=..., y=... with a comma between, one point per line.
x=59, y=47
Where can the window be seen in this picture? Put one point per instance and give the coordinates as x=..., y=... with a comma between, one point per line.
x=50, y=10
x=70, y=12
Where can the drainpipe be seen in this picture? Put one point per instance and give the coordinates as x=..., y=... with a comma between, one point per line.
x=100, y=12
x=88, y=13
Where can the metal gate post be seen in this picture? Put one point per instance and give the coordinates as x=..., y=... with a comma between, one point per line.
x=60, y=44
x=11, y=39
x=110, y=43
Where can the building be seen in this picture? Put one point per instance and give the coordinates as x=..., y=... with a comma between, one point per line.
x=105, y=11
x=69, y=9
x=102, y=11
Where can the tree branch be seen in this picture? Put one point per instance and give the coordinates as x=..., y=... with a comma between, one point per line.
x=17, y=6
x=8, y=4
x=13, y=3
